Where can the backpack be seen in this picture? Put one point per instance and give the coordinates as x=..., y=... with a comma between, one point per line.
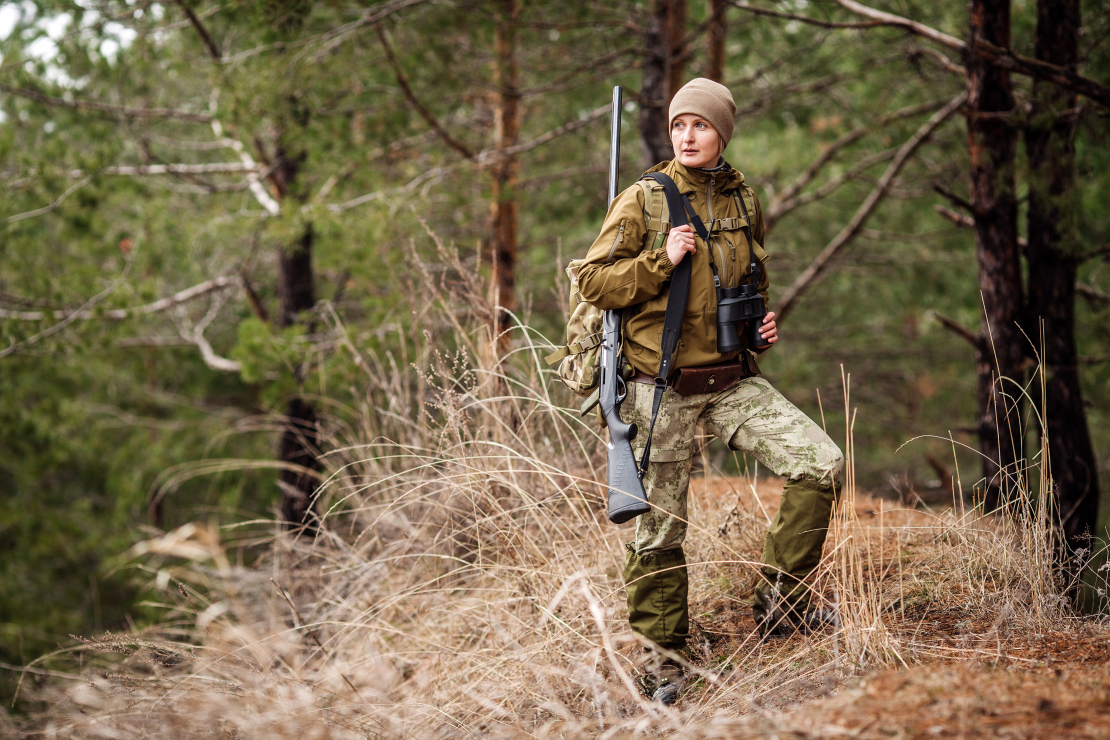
x=579, y=361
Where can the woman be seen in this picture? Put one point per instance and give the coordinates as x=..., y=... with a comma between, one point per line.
x=629, y=267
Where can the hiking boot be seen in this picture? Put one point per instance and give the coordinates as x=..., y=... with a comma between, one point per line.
x=667, y=694
x=779, y=620
x=815, y=620
x=662, y=682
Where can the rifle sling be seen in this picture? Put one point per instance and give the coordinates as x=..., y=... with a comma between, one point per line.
x=677, y=206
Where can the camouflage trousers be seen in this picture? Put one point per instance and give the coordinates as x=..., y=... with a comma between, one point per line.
x=751, y=417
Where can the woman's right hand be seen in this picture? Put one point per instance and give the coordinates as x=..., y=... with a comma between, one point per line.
x=680, y=240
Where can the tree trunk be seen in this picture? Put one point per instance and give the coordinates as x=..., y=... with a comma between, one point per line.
x=676, y=35
x=715, y=41
x=1053, y=250
x=503, y=199
x=299, y=444
x=664, y=67
x=992, y=142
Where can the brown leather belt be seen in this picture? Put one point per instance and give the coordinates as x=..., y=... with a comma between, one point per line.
x=642, y=377
x=706, y=379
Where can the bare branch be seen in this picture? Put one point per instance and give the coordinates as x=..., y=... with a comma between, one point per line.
x=117, y=111
x=955, y=199
x=485, y=158
x=196, y=336
x=252, y=298
x=573, y=76
x=897, y=21
x=182, y=296
x=15, y=347
x=802, y=18
x=182, y=24
x=370, y=16
x=254, y=179
x=178, y=169
x=488, y=156
x=774, y=210
x=202, y=32
x=1094, y=295
x=967, y=222
x=770, y=94
x=959, y=329
x=154, y=342
x=939, y=58
x=997, y=55
x=804, y=281
x=416, y=182
x=211, y=359
x=193, y=146
x=1104, y=249
x=47, y=209
x=960, y=219
x=784, y=207
x=426, y=114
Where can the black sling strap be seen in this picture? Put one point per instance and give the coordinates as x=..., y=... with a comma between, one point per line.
x=678, y=208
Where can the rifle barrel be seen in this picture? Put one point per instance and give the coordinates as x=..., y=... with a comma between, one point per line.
x=615, y=144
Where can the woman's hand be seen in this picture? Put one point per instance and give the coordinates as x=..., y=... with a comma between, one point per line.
x=680, y=240
x=769, y=330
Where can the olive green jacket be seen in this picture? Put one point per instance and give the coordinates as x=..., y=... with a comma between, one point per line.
x=623, y=270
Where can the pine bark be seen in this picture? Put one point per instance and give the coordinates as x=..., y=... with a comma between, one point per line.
x=503, y=198
x=676, y=41
x=299, y=442
x=664, y=68
x=715, y=41
x=1000, y=357
x=1053, y=261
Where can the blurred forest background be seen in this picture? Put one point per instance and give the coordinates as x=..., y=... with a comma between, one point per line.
x=208, y=204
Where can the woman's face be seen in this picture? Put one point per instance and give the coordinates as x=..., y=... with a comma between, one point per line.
x=695, y=142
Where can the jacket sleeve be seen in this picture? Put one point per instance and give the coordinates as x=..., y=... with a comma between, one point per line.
x=618, y=271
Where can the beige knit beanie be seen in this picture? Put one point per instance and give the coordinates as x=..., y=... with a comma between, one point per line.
x=708, y=99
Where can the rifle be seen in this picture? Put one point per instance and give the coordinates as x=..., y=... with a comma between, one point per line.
x=627, y=499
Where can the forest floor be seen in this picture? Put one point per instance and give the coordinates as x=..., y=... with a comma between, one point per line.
x=952, y=625
x=973, y=674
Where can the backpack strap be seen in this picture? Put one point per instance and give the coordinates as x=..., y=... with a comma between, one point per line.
x=655, y=220
x=577, y=348
x=754, y=272
x=677, y=207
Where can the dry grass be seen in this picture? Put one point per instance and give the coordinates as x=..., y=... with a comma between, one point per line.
x=466, y=584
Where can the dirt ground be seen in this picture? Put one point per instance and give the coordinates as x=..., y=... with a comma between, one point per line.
x=976, y=673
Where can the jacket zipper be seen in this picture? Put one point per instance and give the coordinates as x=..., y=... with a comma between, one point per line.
x=616, y=241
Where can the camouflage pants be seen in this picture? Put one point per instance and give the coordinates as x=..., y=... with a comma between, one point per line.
x=752, y=417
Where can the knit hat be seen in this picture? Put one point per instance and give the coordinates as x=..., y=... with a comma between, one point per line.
x=708, y=99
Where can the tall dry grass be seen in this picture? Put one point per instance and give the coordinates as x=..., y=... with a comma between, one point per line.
x=465, y=583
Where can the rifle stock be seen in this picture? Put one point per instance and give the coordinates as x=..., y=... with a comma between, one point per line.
x=627, y=498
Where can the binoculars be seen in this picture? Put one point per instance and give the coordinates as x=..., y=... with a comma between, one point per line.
x=740, y=309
